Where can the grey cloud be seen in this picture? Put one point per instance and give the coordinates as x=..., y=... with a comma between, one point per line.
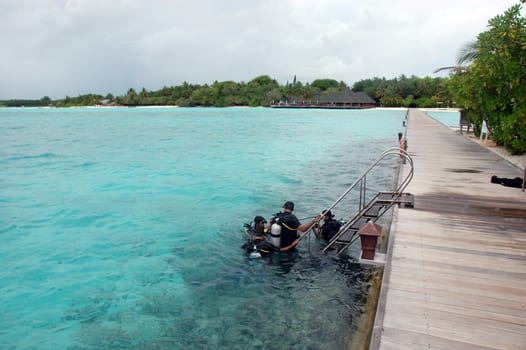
x=59, y=48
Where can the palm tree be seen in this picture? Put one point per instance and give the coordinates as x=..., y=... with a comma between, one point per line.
x=467, y=54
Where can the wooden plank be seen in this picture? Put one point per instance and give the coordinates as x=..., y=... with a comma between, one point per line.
x=464, y=329
x=483, y=302
x=456, y=276
x=405, y=304
x=407, y=339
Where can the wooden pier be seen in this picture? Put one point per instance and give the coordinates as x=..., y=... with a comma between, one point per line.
x=455, y=276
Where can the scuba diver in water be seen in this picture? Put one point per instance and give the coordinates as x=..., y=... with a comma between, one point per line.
x=257, y=246
x=284, y=227
x=329, y=228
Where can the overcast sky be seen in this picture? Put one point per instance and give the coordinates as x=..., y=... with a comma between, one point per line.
x=70, y=47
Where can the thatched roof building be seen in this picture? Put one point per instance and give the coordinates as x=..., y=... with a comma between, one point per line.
x=342, y=99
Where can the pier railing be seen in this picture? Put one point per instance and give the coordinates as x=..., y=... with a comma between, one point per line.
x=372, y=204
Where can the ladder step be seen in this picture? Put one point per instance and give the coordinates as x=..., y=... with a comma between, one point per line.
x=346, y=237
x=385, y=197
x=373, y=211
x=342, y=247
x=338, y=248
x=358, y=224
x=407, y=199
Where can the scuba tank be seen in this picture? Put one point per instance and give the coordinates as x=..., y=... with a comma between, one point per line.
x=255, y=253
x=275, y=232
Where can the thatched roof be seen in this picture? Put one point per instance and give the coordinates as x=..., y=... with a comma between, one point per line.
x=346, y=96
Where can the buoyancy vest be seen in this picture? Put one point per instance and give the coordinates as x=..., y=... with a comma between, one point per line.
x=258, y=245
x=329, y=229
x=289, y=228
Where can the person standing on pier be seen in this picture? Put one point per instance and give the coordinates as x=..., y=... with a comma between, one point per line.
x=403, y=144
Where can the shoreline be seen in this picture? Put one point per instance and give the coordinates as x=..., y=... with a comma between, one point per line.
x=177, y=106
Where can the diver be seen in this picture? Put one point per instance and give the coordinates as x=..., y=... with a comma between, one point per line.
x=329, y=228
x=257, y=246
x=284, y=227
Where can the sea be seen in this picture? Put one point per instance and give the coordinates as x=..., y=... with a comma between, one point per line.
x=450, y=118
x=121, y=228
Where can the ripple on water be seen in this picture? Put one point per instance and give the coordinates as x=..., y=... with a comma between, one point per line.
x=121, y=228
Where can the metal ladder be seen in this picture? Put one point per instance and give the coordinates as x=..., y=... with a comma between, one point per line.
x=372, y=209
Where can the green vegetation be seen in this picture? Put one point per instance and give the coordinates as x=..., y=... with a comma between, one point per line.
x=82, y=100
x=44, y=101
x=493, y=87
x=263, y=91
x=407, y=92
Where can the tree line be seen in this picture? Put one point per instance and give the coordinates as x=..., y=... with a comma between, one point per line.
x=264, y=91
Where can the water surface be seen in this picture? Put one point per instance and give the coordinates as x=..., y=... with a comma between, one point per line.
x=121, y=228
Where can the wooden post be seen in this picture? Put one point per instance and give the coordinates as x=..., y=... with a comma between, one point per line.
x=524, y=179
x=369, y=234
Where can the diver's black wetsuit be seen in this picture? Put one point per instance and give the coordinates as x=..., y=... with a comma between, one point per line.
x=260, y=245
x=289, y=228
x=329, y=229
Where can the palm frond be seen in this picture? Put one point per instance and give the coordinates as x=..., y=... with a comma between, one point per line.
x=468, y=53
x=455, y=68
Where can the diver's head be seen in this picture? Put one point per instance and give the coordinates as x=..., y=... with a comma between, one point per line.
x=259, y=220
x=327, y=215
x=288, y=206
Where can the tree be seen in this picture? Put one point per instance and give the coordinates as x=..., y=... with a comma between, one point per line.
x=131, y=98
x=45, y=101
x=465, y=56
x=227, y=94
x=493, y=87
x=257, y=90
x=404, y=91
x=325, y=84
x=264, y=91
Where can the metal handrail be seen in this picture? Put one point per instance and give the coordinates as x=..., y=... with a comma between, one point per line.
x=389, y=152
x=361, y=181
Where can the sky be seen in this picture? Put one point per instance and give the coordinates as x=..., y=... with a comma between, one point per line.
x=60, y=48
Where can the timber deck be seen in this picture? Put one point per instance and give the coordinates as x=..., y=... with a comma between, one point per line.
x=455, y=276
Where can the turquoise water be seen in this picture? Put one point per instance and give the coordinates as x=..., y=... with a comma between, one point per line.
x=121, y=228
x=448, y=118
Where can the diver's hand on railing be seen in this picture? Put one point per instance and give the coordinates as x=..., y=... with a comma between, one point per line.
x=289, y=247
